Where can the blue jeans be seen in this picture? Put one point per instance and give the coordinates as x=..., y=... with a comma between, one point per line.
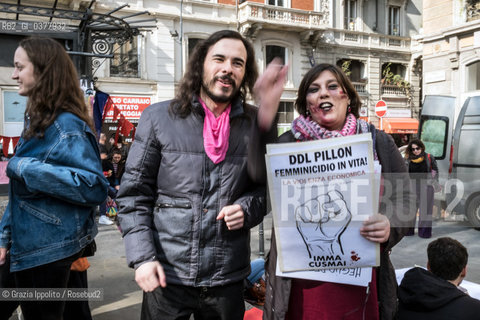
x=257, y=270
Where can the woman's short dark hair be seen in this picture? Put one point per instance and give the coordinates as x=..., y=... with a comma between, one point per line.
x=192, y=80
x=57, y=87
x=343, y=81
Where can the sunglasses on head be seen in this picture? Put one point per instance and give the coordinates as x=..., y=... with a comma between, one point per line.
x=417, y=148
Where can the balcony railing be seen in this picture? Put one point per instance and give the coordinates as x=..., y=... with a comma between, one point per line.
x=257, y=12
x=360, y=87
x=369, y=40
x=251, y=13
x=393, y=90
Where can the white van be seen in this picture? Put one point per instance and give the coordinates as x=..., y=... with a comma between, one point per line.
x=457, y=150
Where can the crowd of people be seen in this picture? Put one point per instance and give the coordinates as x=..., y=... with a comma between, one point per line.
x=113, y=157
x=193, y=184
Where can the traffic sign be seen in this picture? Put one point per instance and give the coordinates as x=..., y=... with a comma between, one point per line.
x=381, y=108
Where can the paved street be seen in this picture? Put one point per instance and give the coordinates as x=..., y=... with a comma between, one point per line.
x=122, y=297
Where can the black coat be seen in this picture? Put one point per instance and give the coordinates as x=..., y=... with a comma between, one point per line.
x=171, y=194
x=423, y=295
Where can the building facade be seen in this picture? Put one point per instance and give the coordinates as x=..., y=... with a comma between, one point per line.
x=374, y=41
x=451, y=48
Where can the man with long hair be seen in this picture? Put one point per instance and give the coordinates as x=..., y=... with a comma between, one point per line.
x=186, y=201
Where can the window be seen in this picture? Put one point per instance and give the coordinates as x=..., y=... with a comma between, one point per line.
x=13, y=113
x=392, y=72
x=285, y=116
x=9, y=45
x=354, y=69
x=285, y=112
x=473, y=76
x=394, y=21
x=125, y=60
x=350, y=14
x=434, y=134
x=14, y=106
x=275, y=51
x=192, y=42
x=278, y=3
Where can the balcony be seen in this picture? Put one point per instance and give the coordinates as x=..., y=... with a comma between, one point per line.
x=360, y=87
x=369, y=40
x=251, y=13
x=393, y=91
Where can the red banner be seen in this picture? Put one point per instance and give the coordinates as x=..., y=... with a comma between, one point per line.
x=130, y=106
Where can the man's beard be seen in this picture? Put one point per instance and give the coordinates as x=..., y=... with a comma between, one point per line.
x=223, y=98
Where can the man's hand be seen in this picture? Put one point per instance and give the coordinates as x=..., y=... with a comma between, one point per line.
x=150, y=276
x=268, y=90
x=233, y=216
x=376, y=228
x=3, y=256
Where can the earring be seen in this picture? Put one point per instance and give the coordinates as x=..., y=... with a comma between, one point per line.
x=307, y=112
x=349, y=109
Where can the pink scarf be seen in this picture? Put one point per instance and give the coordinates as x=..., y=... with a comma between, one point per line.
x=216, y=132
x=305, y=129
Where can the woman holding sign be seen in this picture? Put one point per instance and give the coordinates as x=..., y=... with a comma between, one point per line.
x=329, y=107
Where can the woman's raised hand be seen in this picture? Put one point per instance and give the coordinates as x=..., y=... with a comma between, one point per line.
x=268, y=90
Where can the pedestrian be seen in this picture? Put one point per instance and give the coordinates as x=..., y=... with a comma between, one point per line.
x=254, y=292
x=102, y=146
x=435, y=293
x=113, y=170
x=186, y=201
x=328, y=107
x=56, y=178
x=423, y=171
x=120, y=146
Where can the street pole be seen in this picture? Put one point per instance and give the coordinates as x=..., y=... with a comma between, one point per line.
x=181, y=38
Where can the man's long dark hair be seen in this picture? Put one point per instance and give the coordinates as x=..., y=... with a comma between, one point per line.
x=191, y=82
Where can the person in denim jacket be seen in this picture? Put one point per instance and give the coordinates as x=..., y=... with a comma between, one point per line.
x=56, y=178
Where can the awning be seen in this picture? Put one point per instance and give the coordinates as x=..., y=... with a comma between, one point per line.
x=400, y=125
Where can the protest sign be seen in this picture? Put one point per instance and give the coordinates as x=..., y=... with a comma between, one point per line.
x=352, y=276
x=321, y=192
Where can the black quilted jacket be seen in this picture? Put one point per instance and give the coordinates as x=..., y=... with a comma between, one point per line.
x=171, y=194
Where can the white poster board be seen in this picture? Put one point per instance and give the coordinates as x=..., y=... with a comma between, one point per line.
x=321, y=192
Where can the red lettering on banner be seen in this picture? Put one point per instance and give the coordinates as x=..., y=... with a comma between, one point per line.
x=130, y=107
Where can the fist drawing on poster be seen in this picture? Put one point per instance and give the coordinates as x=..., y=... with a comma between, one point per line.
x=321, y=222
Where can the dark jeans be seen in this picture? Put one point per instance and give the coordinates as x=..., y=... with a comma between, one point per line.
x=51, y=275
x=425, y=205
x=7, y=281
x=176, y=302
x=77, y=310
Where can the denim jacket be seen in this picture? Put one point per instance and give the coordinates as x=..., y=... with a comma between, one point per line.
x=55, y=184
